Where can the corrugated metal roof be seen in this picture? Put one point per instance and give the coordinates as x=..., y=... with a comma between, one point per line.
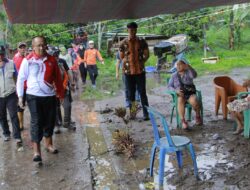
x=83, y=11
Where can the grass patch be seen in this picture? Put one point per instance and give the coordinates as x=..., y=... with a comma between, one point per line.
x=106, y=84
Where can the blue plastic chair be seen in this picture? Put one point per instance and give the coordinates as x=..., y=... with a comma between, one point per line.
x=168, y=144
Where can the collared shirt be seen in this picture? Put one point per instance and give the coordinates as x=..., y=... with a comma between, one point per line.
x=132, y=54
x=187, y=78
x=42, y=74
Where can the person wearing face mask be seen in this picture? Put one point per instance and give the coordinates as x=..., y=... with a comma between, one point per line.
x=8, y=98
x=90, y=56
x=17, y=59
x=44, y=83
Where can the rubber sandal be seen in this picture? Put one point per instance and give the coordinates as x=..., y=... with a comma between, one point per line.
x=37, y=158
x=52, y=150
x=238, y=131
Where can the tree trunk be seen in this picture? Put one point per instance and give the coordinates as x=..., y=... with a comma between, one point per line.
x=231, y=31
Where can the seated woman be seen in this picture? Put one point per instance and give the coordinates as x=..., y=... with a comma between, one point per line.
x=182, y=82
x=237, y=107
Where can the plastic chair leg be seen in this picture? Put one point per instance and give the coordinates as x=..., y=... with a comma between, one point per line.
x=202, y=113
x=161, y=166
x=217, y=102
x=179, y=158
x=172, y=114
x=246, y=123
x=189, y=111
x=152, y=159
x=191, y=150
x=178, y=120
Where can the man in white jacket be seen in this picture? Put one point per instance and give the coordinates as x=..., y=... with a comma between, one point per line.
x=44, y=83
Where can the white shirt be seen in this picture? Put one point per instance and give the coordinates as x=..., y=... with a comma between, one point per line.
x=33, y=70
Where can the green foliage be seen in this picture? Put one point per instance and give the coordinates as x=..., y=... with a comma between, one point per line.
x=170, y=25
x=26, y=32
x=107, y=85
x=218, y=43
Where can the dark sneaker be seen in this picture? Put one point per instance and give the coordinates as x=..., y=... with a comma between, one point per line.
x=145, y=118
x=69, y=126
x=66, y=125
x=72, y=127
x=57, y=130
x=72, y=123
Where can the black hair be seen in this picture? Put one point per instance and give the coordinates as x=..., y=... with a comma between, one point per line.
x=132, y=25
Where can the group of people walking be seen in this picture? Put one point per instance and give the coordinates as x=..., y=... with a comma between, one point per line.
x=43, y=79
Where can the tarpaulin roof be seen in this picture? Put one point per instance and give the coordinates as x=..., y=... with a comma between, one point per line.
x=83, y=11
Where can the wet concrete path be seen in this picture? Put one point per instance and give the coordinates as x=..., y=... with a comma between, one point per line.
x=67, y=170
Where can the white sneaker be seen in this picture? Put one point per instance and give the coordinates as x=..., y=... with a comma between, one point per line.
x=19, y=145
x=6, y=138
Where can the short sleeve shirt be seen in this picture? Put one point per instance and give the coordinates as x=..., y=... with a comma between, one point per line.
x=133, y=50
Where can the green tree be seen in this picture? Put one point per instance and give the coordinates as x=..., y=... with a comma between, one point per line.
x=55, y=33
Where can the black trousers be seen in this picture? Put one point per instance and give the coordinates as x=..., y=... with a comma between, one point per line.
x=67, y=107
x=43, y=115
x=83, y=72
x=58, y=121
x=10, y=103
x=93, y=73
x=24, y=101
x=139, y=82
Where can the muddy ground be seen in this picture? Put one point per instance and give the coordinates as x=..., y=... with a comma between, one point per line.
x=87, y=159
x=222, y=158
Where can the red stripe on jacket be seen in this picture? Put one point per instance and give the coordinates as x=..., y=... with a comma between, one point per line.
x=52, y=73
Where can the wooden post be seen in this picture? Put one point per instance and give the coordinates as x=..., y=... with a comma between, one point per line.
x=231, y=30
x=204, y=41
